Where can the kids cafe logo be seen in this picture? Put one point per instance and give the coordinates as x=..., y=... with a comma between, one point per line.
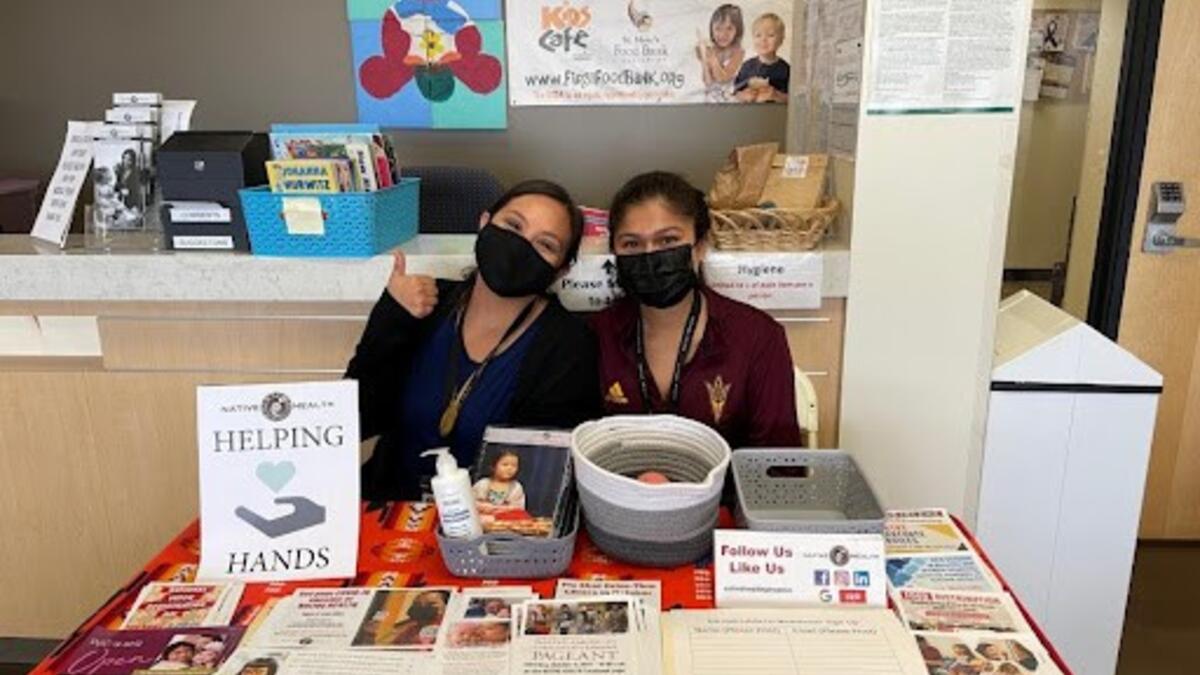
x=564, y=27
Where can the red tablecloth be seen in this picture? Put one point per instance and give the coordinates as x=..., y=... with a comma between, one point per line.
x=397, y=547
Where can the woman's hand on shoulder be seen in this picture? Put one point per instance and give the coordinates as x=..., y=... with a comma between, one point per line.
x=416, y=293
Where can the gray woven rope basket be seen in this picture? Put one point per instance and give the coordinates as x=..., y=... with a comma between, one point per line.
x=650, y=524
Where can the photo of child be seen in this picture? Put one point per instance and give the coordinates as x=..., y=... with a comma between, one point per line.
x=517, y=488
x=466, y=634
x=120, y=183
x=191, y=652
x=580, y=618
x=721, y=54
x=403, y=618
x=501, y=490
x=488, y=608
x=957, y=655
x=764, y=78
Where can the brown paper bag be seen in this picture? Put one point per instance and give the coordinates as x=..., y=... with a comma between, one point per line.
x=739, y=184
x=796, y=181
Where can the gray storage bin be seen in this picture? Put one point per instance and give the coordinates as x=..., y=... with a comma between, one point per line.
x=819, y=491
x=509, y=556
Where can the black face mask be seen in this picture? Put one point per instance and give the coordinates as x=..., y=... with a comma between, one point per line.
x=509, y=264
x=659, y=279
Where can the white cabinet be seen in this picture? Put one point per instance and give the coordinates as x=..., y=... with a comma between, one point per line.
x=1070, y=421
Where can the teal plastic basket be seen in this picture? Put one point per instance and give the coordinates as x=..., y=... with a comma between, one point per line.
x=356, y=224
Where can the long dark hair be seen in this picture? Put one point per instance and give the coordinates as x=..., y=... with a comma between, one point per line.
x=551, y=190
x=680, y=196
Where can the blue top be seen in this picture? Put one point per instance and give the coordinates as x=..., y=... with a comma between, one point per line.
x=424, y=400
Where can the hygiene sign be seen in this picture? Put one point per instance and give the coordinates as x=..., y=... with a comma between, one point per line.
x=649, y=52
x=279, y=492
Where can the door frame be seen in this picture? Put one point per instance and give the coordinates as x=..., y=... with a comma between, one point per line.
x=1123, y=179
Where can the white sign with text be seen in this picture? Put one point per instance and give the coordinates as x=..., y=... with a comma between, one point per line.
x=279, y=481
x=762, y=569
x=767, y=280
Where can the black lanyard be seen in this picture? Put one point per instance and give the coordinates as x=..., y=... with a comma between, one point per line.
x=455, y=397
x=685, y=346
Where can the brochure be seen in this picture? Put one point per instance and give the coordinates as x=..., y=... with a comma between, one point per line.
x=826, y=640
x=979, y=653
x=950, y=611
x=183, y=605
x=922, y=531
x=366, y=618
x=480, y=636
x=649, y=592
x=590, y=636
x=120, y=652
x=942, y=572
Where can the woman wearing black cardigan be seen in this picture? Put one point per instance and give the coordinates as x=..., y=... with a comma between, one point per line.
x=440, y=360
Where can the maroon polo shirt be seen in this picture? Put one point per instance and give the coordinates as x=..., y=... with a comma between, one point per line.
x=739, y=381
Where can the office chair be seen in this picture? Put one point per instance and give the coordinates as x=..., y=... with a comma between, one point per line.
x=452, y=197
x=806, y=408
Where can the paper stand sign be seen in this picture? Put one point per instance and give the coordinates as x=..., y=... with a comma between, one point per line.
x=762, y=569
x=279, y=482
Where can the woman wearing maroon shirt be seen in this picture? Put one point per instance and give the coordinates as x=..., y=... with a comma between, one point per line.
x=674, y=346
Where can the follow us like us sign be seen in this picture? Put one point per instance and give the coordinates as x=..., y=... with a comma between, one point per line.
x=279, y=481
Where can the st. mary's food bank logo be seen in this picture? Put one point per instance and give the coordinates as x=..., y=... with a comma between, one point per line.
x=564, y=27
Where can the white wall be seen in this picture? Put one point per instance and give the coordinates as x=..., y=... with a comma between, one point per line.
x=931, y=210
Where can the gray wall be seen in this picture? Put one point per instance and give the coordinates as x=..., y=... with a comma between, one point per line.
x=253, y=62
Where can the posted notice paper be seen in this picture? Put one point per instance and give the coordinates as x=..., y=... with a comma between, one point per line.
x=823, y=640
x=279, y=493
x=757, y=569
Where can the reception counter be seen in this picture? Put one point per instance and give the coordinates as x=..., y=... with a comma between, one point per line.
x=100, y=355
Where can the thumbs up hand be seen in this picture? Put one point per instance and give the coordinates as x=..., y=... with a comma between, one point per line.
x=416, y=293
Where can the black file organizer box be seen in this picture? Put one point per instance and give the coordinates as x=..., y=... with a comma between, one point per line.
x=211, y=166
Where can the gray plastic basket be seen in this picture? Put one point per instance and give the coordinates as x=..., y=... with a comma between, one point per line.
x=509, y=556
x=819, y=491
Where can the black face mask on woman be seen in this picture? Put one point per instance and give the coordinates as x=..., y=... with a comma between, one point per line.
x=509, y=264
x=659, y=279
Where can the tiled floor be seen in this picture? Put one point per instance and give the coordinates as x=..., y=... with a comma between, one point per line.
x=1162, y=622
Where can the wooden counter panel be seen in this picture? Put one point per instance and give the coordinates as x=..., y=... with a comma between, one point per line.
x=100, y=472
x=258, y=344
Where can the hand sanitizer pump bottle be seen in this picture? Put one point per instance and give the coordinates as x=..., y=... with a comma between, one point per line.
x=454, y=498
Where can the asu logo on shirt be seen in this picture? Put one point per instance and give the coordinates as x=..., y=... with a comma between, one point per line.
x=616, y=395
x=718, y=396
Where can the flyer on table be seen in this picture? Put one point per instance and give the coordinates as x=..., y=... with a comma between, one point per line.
x=952, y=611
x=942, y=572
x=922, y=531
x=967, y=653
x=279, y=491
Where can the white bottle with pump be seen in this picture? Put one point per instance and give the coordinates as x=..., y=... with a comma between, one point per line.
x=454, y=498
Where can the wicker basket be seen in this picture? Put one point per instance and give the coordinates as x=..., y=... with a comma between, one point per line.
x=775, y=229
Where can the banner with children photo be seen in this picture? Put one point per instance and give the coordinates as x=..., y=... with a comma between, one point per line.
x=648, y=52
